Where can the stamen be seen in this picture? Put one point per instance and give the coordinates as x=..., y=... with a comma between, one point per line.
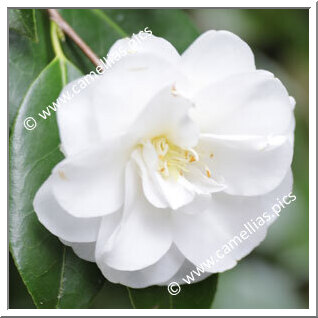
x=192, y=159
x=195, y=154
x=173, y=90
x=62, y=175
x=173, y=160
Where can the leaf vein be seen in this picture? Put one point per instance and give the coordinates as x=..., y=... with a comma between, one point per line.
x=61, y=289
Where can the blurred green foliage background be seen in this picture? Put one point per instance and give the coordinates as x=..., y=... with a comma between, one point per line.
x=275, y=275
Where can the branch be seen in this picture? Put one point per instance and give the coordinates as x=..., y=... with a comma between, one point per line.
x=67, y=29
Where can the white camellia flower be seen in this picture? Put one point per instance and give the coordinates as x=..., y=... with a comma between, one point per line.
x=167, y=157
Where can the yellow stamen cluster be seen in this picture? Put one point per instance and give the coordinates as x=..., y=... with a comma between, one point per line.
x=173, y=160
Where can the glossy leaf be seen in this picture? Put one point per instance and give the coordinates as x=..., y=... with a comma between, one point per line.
x=154, y=297
x=26, y=60
x=23, y=21
x=174, y=25
x=54, y=276
x=112, y=296
x=194, y=296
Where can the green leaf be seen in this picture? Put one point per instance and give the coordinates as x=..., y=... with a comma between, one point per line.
x=54, y=276
x=173, y=25
x=24, y=22
x=26, y=60
x=154, y=297
x=198, y=295
x=19, y=298
x=101, y=28
x=194, y=296
x=112, y=296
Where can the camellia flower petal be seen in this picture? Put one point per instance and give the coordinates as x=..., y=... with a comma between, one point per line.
x=167, y=156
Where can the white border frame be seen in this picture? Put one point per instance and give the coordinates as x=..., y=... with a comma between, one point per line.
x=312, y=160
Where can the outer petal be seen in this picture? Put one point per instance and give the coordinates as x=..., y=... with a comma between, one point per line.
x=92, y=183
x=86, y=251
x=76, y=118
x=200, y=237
x=253, y=103
x=248, y=165
x=213, y=56
x=59, y=222
x=155, y=274
x=143, y=235
x=149, y=44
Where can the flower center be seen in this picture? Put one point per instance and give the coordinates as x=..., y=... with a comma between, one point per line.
x=173, y=160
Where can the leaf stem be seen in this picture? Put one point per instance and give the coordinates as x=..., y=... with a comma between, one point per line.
x=67, y=29
x=58, y=51
x=55, y=41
